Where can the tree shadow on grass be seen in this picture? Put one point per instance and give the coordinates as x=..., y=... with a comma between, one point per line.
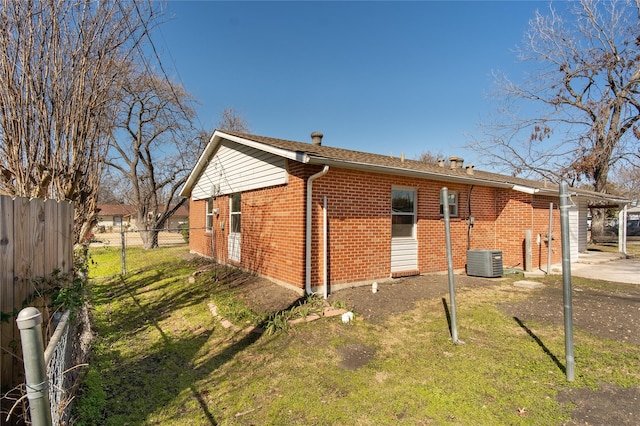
x=137, y=388
x=541, y=344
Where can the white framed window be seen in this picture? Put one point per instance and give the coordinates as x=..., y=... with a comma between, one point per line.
x=235, y=219
x=453, y=204
x=403, y=213
x=209, y=214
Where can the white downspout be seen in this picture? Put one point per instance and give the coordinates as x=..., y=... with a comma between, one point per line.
x=308, y=227
x=324, y=247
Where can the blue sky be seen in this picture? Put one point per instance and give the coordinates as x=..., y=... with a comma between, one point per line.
x=381, y=77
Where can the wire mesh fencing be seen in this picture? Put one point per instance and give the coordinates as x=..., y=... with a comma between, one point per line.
x=130, y=243
x=57, y=358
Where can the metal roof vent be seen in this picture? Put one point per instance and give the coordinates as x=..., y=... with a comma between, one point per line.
x=316, y=138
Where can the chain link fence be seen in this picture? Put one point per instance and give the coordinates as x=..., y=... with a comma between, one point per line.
x=131, y=242
x=57, y=358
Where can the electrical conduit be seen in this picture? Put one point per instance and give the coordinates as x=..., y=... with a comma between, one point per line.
x=308, y=227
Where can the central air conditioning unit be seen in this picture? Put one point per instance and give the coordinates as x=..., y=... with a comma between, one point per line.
x=484, y=263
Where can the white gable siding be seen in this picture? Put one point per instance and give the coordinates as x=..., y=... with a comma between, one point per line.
x=238, y=168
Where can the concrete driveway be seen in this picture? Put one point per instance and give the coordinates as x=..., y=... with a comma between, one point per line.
x=604, y=266
x=618, y=270
x=600, y=266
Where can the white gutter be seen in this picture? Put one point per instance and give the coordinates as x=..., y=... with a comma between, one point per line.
x=525, y=189
x=398, y=171
x=308, y=227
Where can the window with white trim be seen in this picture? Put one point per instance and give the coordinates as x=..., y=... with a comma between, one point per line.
x=235, y=218
x=453, y=204
x=209, y=214
x=403, y=213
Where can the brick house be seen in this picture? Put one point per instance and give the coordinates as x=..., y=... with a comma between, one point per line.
x=306, y=214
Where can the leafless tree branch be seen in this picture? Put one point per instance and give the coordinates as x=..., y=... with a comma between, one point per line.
x=62, y=67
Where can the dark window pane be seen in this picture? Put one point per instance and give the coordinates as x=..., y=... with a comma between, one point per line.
x=235, y=203
x=235, y=223
x=402, y=201
x=402, y=226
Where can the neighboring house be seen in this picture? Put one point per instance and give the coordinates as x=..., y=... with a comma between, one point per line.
x=179, y=217
x=115, y=217
x=260, y=203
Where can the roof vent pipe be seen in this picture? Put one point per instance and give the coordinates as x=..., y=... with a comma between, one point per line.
x=469, y=169
x=316, y=138
x=441, y=162
x=453, y=160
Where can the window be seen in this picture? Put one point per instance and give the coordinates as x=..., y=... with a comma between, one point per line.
x=209, y=214
x=402, y=213
x=234, y=220
x=453, y=204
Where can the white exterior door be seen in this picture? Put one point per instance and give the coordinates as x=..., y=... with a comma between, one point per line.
x=404, y=244
x=234, y=240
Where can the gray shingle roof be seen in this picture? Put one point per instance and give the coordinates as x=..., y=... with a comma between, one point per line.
x=349, y=157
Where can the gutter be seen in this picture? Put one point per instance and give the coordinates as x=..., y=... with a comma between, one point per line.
x=397, y=171
x=308, y=227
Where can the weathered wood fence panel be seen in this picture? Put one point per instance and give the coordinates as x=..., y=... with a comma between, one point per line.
x=36, y=238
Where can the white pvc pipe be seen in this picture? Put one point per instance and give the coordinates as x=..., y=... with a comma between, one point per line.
x=308, y=224
x=549, y=238
x=324, y=246
x=622, y=230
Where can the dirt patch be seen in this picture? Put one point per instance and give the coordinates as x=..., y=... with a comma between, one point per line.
x=259, y=294
x=400, y=295
x=354, y=356
x=609, y=314
x=609, y=405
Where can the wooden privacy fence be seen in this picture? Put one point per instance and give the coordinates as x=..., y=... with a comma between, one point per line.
x=36, y=238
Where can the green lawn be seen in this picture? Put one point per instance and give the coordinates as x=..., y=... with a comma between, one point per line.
x=160, y=357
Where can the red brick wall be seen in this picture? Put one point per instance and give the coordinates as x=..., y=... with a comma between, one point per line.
x=540, y=228
x=518, y=212
x=199, y=240
x=272, y=230
x=359, y=211
x=359, y=226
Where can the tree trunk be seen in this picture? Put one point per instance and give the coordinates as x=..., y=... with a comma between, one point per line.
x=149, y=238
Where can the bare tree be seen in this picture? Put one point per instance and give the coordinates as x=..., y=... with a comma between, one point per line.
x=627, y=180
x=155, y=150
x=583, y=98
x=61, y=69
x=113, y=189
x=232, y=120
x=431, y=157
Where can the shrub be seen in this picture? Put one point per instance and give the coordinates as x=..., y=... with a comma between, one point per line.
x=184, y=230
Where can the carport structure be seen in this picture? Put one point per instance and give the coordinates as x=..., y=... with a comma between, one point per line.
x=624, y=212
